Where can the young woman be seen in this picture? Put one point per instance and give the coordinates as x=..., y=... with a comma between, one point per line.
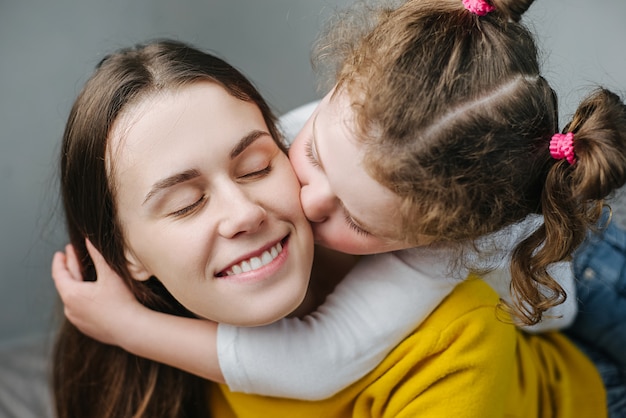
x=171, y=165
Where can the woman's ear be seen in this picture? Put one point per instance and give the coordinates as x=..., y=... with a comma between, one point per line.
x=136, y=267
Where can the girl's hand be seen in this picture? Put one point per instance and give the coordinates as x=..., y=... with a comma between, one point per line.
x=107, y=311
x=101, y=309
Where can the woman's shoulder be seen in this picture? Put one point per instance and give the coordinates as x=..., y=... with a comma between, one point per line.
x=468, y=315
x=461, y=345
x=471, y=296
x=465, y=329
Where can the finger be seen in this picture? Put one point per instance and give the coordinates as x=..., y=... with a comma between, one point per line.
x=58, y=268
x=102, y=267
x=72, y=263
x=63, y=279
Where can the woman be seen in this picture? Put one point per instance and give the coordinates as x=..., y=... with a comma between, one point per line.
x=194, y=189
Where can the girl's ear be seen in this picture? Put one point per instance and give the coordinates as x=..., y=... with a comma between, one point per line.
x=136, y=267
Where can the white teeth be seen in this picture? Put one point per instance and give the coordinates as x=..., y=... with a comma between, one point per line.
x=256, y=262
x=266, y=258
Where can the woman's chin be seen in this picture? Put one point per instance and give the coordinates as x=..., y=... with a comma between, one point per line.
x=268, y=314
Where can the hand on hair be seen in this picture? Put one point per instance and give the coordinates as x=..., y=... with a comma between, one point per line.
x=107, y=311
x=100, y=309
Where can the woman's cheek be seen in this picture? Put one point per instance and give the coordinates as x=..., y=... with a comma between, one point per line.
x=285, y=188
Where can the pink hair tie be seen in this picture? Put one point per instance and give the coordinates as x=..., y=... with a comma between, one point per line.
x=562, y=147
x=478, y=7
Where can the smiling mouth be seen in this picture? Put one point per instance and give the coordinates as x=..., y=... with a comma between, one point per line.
x=255, y=262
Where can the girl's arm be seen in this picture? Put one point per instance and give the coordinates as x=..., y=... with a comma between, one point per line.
x=378, y=303
x=381, y=300
x=556, y=318
x=107, y=311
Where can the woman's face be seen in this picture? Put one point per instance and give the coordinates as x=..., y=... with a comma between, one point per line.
x=209, y=205
x=349, y=210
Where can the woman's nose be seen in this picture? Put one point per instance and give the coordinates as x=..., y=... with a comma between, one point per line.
x=241, y=214
x=318, y=202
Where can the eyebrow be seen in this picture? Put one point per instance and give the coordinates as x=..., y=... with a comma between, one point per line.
x=190, y=174
x=170, y=181
x=246, y=141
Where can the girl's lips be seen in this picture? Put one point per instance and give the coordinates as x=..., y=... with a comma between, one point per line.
x=255, y=261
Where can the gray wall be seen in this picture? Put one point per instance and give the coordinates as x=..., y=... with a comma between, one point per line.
x=48, y=49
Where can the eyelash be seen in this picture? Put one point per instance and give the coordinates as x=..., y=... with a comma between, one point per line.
x=308, y=149
x=260, y=173
x=187, y=209
x=354, y=226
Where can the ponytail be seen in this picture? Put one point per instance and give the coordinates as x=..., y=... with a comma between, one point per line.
x=572, y=200
x=455, y=117
x=511, y=9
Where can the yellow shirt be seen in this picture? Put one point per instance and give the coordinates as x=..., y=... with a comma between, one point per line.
x=460, y=362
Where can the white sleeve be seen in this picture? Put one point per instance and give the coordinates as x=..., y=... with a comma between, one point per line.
x=560, y=316
x=555, y=318
x=379, y=302
x=292, y=122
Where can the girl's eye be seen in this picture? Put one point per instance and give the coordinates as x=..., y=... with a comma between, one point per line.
x=354, y=226
x=188, y=209
x=310, y=155
x=259, y=173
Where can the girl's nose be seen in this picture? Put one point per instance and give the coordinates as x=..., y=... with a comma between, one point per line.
x=241, y=215
x=318, y=202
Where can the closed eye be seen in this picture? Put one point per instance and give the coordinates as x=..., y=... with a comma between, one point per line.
x=310, y=154
x=352, y=225
x=188, y=209
x=259, y=173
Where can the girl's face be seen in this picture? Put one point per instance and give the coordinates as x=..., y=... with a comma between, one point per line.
x=209, y=205
x=350, y=211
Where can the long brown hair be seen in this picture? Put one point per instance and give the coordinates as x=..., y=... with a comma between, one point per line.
x=91, y=379
x=456, y=118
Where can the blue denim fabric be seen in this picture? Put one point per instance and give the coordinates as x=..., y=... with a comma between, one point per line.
x=600, y=327
x=600, y=270
x=613, y=377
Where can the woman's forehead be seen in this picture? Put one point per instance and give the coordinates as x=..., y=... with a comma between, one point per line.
x=195, y=125
x=135, y=111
